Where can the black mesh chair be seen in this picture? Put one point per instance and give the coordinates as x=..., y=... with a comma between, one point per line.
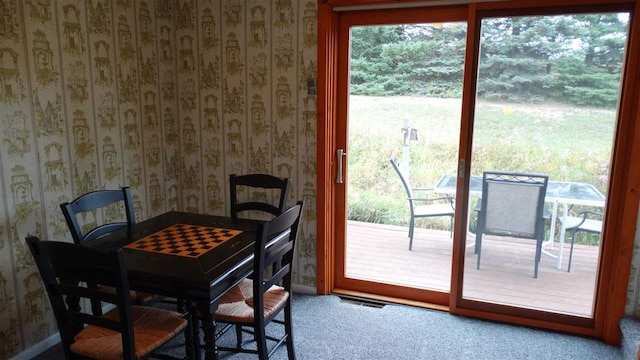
x=71, y=273
x=259, y=199
x=423, y=207
x=512, y=204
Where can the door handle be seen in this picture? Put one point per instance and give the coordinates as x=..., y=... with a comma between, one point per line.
x=340, y=153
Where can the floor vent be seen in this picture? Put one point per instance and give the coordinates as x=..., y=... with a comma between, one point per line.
x=362, y=302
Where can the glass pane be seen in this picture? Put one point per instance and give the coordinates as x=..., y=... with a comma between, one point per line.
x=404, y=102
x=546, y=104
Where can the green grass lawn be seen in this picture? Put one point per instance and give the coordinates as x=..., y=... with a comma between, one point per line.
x=566, y=142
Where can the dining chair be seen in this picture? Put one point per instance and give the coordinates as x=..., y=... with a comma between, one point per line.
x=512, y=205
x=258, y=201
x=585, y=221
x=106, y=200
x=256, y=303
x=258, y=181
x=423, y=207
x=126, y=331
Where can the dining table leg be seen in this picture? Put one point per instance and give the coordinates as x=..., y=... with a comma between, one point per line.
x=190, y=332
x=209, y=329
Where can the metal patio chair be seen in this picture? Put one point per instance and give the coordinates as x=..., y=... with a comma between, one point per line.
x=586, y=221
x=423, y=207
x=512, y=204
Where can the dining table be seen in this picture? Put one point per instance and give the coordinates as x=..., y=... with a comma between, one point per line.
x=564, y=193
x=192, y=257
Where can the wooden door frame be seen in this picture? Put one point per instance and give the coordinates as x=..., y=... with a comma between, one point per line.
x=622, y=207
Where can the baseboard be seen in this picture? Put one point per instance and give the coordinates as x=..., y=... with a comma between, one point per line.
x=303, y=289
x=38, y=348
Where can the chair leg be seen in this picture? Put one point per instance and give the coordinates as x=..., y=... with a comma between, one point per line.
x=478, y=247
x=261, y=342
x=411, y=227
x=190, y=334
x=537, y=259
x=289, y=331
x=239, y=335
x=195, y=336
x=451, y=228
x=573, y=237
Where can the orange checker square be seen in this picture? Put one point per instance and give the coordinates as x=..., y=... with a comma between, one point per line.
x=184, y=240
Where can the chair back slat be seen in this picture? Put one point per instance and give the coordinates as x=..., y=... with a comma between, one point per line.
x=89, y=292
x=257, y=206
x=83, y=318
x=270, y=185
x=277, y=278
x=91, y=202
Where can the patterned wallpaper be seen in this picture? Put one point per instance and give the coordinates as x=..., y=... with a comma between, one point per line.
x=168, y=97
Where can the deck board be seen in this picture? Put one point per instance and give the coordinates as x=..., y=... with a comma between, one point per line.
x=380, y=253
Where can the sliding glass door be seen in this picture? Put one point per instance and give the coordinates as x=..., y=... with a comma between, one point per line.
x=546, y=103
x=401, y=103
x=546, y=91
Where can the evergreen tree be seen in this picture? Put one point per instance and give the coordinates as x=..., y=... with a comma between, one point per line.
x=590, y=74
x=571, y=58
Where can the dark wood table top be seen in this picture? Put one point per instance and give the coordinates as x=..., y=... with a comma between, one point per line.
x=203, y=278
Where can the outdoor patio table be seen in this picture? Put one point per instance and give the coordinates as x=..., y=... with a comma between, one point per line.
x=558, y=192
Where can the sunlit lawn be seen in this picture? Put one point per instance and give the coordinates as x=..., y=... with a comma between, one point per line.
x=568, y=143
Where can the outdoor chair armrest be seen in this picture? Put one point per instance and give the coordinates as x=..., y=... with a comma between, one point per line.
x=589, y=212
x=449, y=198
x=584, y=215
x=422, y=189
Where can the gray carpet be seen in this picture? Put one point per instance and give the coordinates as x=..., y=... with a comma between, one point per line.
x=327, y=328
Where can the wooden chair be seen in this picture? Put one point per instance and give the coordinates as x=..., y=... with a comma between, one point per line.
x=254, y=181
x=512, y=205
x=73, y=272
x=101, y=199
x=264, y=183
x=254, y=303
x=423, y=207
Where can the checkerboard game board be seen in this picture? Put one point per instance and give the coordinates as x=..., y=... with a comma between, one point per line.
x=184, y=240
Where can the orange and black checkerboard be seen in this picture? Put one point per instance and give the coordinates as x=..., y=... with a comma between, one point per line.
x=184, y=240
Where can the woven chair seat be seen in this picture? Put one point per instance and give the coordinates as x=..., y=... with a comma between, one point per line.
x=237, y=304
x=152, y=327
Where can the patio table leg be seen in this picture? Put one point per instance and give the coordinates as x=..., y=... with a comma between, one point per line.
x=562, y=234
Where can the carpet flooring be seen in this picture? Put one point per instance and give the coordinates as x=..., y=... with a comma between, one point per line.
x=326, y=327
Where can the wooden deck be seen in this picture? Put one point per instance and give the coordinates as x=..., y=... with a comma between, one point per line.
x=380, y=253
